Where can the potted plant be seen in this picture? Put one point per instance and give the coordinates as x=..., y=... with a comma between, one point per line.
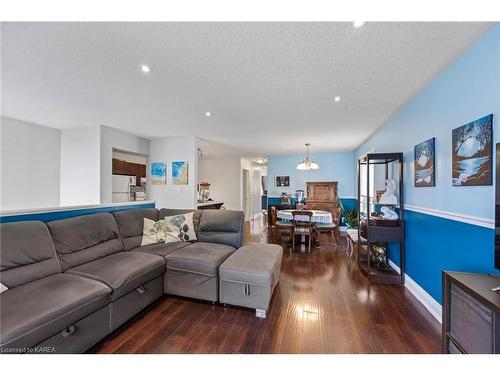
x=349, y=215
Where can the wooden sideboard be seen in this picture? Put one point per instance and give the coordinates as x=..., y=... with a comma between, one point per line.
x=321, y=192
x=322, y=195
x=471, y=313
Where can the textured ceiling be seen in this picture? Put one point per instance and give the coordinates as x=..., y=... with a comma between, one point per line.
x=269, y=85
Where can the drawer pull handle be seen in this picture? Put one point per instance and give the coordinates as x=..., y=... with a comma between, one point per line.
x=68, y=331
x=247, y=289
x=141, y=290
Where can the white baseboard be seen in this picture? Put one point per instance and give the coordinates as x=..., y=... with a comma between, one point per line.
x=421, y=295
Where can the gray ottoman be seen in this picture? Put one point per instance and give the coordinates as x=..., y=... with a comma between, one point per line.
x=249, y=275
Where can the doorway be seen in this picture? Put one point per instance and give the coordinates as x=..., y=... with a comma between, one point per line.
x=246, y=194
x=128, y=177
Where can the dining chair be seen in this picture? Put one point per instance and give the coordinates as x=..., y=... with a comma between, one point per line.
x=282, y=228
x=302, y=226
x=333, y=227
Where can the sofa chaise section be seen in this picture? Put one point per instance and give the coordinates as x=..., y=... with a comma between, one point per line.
x=90, y=247
x=193, y=271
x=42, y=304
x=192, y=267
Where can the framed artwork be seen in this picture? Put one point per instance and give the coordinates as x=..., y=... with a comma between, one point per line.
x=180, y=172
x=282, y=181
x=472, y=150
x=424, y=163
x=158, y=173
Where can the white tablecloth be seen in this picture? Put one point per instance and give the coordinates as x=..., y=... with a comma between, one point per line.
x=317, y=217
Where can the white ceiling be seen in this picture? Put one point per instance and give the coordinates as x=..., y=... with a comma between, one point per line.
x=269, y=85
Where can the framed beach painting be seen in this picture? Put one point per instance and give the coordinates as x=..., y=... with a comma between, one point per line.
x=180, y=172
x=472, y=150
x=424, y=163
x=158, y=173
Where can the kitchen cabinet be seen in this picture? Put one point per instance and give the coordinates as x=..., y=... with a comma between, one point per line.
x=131, y=169
x=118, y=166
x=123, y=167
x=142, y=170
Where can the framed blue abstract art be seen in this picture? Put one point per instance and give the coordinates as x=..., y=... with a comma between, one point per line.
x=158, y=173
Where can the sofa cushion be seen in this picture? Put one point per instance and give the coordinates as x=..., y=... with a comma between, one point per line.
x=27, y=253
x=82, y=239
x=221, y=226
x=166, y=212
x=162, y=249
x=123, y=271
x=130, y=224
x=256, y=264
x=35, y=311
x=199, y=257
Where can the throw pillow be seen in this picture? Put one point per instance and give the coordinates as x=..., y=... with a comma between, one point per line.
x=153, y=232
x=3, y=288
x=181, y=226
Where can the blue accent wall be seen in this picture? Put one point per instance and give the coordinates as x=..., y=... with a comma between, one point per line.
x=57, y=215
x=335, y=166
x=434, y=244
x=467, y=90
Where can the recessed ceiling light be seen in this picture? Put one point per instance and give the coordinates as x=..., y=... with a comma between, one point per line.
x=358, y=24
x=208, y=114
x=337, y=99
x=146, y=69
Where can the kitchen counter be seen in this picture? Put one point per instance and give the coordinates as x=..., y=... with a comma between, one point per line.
x=57, y=213
x=70, y=208
x=210, y=205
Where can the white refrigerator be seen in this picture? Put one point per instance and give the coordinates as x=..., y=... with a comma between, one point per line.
x=121, y=188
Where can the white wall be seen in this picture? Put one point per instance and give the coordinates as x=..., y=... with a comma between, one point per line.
x=175, y=149
x=80, y=166
x=130, y=158
x=224, y=177
x=117, y=139
x=30, y=165
x=254, y=189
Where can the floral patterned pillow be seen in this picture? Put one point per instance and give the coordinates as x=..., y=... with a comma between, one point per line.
x=180, y=227
x=153, y=232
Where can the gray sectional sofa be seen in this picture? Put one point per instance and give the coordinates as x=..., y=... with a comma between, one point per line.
x=73, y=281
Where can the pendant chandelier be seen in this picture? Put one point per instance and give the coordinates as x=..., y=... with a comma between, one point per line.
x=307, y=163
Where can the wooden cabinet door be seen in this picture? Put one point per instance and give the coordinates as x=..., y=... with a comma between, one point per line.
x=131, y=169
x=142, y=170
x=118, y=166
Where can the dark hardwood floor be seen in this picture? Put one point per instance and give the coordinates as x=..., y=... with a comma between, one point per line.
x=322, y=304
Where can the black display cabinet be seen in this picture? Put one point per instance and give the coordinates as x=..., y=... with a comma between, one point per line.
x=380, y=233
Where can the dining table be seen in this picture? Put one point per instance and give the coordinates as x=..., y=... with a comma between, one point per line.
x=318, y=217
